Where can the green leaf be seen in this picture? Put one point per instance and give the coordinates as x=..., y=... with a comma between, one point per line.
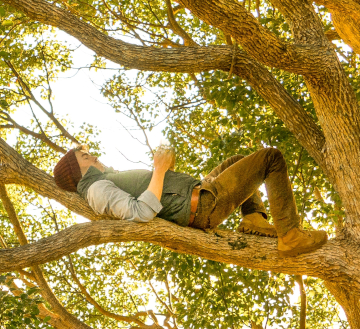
x=7, y=23
x=5, y=54
x=47, y=318
x=33, y=290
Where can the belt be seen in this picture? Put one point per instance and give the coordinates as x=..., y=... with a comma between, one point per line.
x=194, y=203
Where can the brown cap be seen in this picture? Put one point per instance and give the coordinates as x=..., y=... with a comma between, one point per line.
x=67, y=172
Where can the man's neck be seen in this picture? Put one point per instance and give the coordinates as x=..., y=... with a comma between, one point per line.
x=85, y=170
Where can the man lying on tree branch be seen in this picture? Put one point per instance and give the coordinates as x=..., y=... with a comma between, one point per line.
x=140, y=195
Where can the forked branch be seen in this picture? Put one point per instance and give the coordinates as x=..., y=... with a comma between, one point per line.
x=176, y=28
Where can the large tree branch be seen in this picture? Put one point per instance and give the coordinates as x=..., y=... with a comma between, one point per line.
x=305, y=25
x=348, y=300
x=184, y=59
x=249, y=251
x=261, y=44
x=176, y=28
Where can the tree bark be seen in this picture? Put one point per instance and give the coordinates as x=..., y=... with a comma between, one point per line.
x=328, y=263
x=345, y=16
x=349, y=301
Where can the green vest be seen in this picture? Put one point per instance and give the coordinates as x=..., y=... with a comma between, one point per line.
x=175, y=199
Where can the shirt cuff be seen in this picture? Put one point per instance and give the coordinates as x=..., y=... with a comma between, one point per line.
x=151, y=200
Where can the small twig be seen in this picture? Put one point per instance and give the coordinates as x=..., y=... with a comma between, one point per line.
x=228, y=40
x=27, y=92
x=332, y=35
x=133, y=137
x=170, y=299
x=154, y=291
x=48, y=82
x=177, y=29
x=257, y=4
x=156, y=17
x=131, y=160
x=12, y=28
x=233, y=61
x=35, y=117
x=53, y=216
x=2, y=242
x=42, y=136
x=297, y=165
x=300, y=282
x=142, y=129
x=125, y=21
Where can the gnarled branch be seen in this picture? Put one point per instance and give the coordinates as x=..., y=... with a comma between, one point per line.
x=223, y=246
x=256, y=40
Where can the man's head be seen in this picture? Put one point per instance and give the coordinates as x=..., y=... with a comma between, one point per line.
x=86, y=160
x=73, y=165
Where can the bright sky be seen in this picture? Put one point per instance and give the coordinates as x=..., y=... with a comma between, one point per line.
x=78, y=96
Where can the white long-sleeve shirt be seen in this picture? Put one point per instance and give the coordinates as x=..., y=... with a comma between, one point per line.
x=105, y=198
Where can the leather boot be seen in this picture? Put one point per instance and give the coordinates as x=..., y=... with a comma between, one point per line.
x=297, y=241
x=256, y=224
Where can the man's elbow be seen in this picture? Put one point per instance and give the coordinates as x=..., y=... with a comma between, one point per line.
x=145, y=216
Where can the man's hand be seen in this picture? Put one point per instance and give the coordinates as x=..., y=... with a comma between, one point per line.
x=164, y=159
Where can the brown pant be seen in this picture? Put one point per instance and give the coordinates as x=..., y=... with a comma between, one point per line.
x=235, y=183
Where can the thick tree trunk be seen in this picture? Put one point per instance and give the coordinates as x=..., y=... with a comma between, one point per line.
x=345, y=16
x=348, y=29
x=336, y=107
x=349, y=301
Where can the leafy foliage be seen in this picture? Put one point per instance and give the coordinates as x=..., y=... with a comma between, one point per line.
x=19, y=310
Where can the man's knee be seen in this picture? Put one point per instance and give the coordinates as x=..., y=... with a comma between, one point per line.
x=275, y=152
x=272, y=152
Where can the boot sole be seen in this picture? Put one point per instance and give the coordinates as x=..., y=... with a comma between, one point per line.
x=298, y=251
x=255, y=230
